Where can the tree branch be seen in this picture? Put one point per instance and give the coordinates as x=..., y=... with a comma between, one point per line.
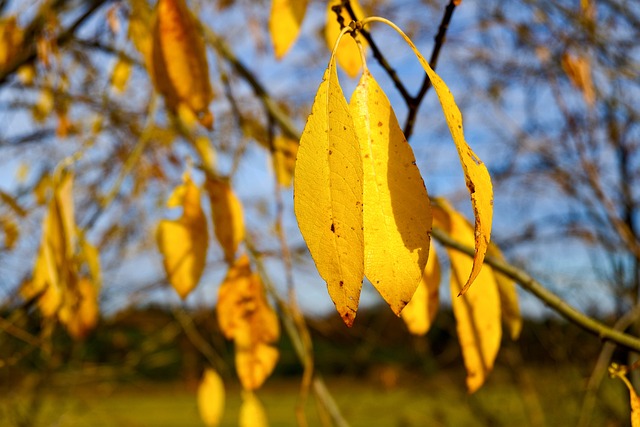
x=552, y=300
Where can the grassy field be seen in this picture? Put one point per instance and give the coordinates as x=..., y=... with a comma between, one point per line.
x=537, y=397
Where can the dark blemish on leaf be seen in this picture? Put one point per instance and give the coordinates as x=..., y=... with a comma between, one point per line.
x=471, y=186
x=366, y=156
x=341, y=283
x=377, y=281
x=333, y=228
x=413, y=163
x=379, y=123
x=344, y=128
x=459, y=126
x=330, y=152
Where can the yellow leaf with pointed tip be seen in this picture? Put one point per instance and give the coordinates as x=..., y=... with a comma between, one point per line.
x=421, y=311
x=245, y=316
x=120, y=75
x=348, y=54
x=211, y=398
x=179, y=63
x=328, y=195
x=183, y=242
x=252, y=413
x=397, y=210
x=475, y=172
x=508, y=297
x=228, y=218
x=284, y=23
x=477, y=312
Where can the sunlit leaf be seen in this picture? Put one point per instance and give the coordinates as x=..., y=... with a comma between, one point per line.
x=475, y=171
x=207, y=153
x=245, y=316
x=284, y=23
x=79, y=313
x=397, y=210
x=421, y=311
x=508, y=297
x=348, y=55
x=183, y=242
x=252, y=413
x=228, y=217
x=328, y=195
x=616, y=370
x=211, y=397
x=284, y=159
x=11, y=40
x=477, y=312
x=179, y=63
x=120, y=75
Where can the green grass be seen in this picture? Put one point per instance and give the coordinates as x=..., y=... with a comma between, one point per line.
x=545, y=396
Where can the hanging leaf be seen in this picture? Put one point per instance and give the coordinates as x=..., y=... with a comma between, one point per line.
x=475, y=172
x=183, y=242
x=284, y=159
x=348, y=54
x=616, y=370
x=477, y=312
x=397, y=210
x=120, y=75
x=578, y=70
x=211, y=397
x=140, y=30
x=328, y=195
x=245, y=316
x=11, y=40
x=284, y=23
x=509, y=306
x=80, y=313
x=421, y=311
x=252, y=413
x=228, y=217
x=179, y=63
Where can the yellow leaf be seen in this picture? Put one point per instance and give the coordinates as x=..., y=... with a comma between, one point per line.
x=328, y=195
x=140, y=28
x=183, y=242
x=228, y=218
x=120, y=75
x=616, y=370
x=397, y=210
x=421, y=311
x=578, y=70
x=11, y=39
x=252, y=414
x=284, y=23
x=211, y=398
x=348, y=54
x=284, y=159
x=179, y=63
x=245, y=316
x=508, y=297
x=477, y=312
x=206, y=152
x=476, y=174
x=11, y=232
x=80, y=311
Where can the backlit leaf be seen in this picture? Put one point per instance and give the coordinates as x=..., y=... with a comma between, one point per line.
x=348, y=54
x=328, y=195
x=508, y=297
x=245, y=316
x=475, y=172
x=211, y=397
x=252, y=413
x=179, y=63
x=284, y=23
x=616, y=370
x=477, y=312
x=228, y=217
x=183, y=242
x=397, y=210
x=421, y=311
x=120, y=75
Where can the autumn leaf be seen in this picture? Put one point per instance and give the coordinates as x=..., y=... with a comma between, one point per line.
x=252, y=413
x=284, y=23
x=421, y=311
x=397, y=210
x=211, y=397
x=476, y=174
x=328, y=195
x=578, y=71
x=509, y=306
x=120, y=75
x=284, y=159
x=79, y=313
x=183, y=242
x=11, y=40
x=348, y=54
x=245, y=316
x=179, y=63
x=228, y=217
x=620, y=372
x=477, y=312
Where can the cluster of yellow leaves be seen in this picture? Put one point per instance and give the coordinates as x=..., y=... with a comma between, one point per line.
x=360, y=200
x=61, y=288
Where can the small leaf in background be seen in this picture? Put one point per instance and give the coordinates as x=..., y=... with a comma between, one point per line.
x=228, y=216
x=252, y=413
x=245, y=316
x=578, y=70
x=284, y=23
x=421, y=311
x=79, y=312
x=328, y=195
x=348, y=54
x=206, y=152
x=508, y=297
x=211, y=397
x=477, y=312
x=183, y=242
x=120, y=75
x=397, y=210
x=140, y=29
x=284, y=159
x=11, y=232
x=179, y=63
x=11, y=40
